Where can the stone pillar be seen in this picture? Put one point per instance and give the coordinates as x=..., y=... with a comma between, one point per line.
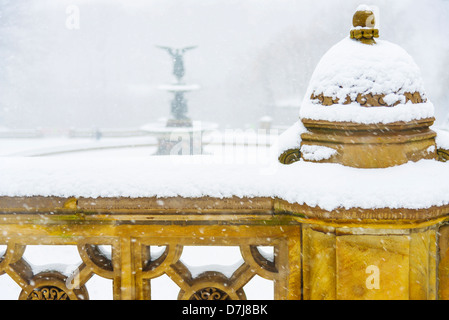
x=350, y=119
x=369, y=264
x=382, y=254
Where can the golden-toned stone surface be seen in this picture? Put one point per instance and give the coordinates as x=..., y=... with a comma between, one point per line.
x=369, y=264
x=443, y=263
x=290, y=156
x=364, y=19
x=364, y=22
x=365, y=35
x=319, y=265
x=443, y=155
x=375, y=145
x=373, y=267
x=423, y=258
x=341, y=254
x=131, y=226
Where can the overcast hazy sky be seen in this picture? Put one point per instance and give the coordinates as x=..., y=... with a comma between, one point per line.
x=251, y=53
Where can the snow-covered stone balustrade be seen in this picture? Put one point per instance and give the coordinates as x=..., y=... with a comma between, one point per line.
x=132, y=227
x=357, y=207
x=327, y=224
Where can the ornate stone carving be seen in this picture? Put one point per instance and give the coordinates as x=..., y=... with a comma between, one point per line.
x=213, y=285
x=364, y=22
x=52, y=285
x=290, y=156
x=368, y=100
x=48, y=293
x=364, y=34
x=443, y=155
x=210, y=293
x=96, y=260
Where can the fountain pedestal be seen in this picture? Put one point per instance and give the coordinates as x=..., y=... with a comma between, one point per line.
x=179, y=135
x=180, y=140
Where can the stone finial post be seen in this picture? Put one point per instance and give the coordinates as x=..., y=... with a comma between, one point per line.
x=364, y=22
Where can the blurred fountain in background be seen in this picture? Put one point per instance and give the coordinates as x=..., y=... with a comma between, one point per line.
x=179, y=135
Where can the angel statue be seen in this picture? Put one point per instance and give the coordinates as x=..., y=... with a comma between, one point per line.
x=178, y=63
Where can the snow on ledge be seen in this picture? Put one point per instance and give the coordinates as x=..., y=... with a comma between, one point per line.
x=291, y=138
x=317, y=153
x=442, y=139
x=367, y=115
x=417, y=185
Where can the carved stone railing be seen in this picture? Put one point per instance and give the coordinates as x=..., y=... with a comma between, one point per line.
x=342, y=254
x=131, y=227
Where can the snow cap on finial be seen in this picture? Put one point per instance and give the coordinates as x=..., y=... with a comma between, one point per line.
x=364, y=22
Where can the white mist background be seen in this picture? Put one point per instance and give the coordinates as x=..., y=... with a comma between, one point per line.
x=251, y=54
